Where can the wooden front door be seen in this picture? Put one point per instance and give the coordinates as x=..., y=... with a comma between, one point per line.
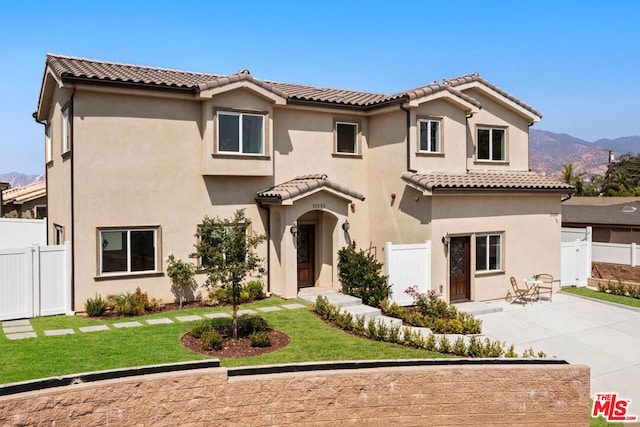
x=306, y=258
x=459, y=269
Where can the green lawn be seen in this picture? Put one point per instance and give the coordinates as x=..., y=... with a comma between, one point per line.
x=603, y=296
x=311, y=340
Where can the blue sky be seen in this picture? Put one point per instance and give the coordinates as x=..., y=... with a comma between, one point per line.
x=578, y=62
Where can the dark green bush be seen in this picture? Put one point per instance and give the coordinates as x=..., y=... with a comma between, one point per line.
x=252, y=323
x=255, y=290
x=360, y=275
x=203, y=327
x=260, y=339
x=211, y=340
x=344, y=320
x=95, y=306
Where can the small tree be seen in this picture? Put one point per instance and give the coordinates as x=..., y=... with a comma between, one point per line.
x=181, y=274
x=227, y=252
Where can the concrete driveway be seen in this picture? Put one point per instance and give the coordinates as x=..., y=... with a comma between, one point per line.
x=603, y=336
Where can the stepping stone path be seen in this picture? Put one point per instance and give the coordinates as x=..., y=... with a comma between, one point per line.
x=21, y=328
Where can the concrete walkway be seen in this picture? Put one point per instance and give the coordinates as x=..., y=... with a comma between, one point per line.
x=605, y=337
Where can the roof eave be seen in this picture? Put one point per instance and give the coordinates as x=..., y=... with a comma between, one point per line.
x=494, y=190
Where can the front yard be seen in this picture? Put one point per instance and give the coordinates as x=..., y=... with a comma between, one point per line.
x=47, y=356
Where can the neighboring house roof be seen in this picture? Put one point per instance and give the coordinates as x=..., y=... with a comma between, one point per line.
x=24, y=194
x=600, y=201
x=625, y=213
x=71, y=68
x=482, y=181
x=303, y=185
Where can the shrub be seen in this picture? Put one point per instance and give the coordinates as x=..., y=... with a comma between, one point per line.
x=359, y=325
x=444, y=345
x=394, y=335
x=407, y=335
x=321, y=306
x=344, y=320
x=255, y=290
x=148, y=304
x=252, y=323
x=95, y=306
x=211, y=340
x=474, y=348
x=127, y=304
x=511, y=351
x=260, y=339
x=202, y=328
x=360, y=275
x=459, y=347
x=431, y=343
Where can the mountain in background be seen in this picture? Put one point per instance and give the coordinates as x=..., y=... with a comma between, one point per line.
x=548, y=151
x=16, y=179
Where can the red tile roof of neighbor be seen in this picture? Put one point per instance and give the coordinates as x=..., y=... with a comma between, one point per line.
x=73, y=68
x=24, y=194
x=301, y=185
x=480, y=181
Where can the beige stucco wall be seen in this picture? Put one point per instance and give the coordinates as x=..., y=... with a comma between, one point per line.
x=514, y=395
x=531, y=228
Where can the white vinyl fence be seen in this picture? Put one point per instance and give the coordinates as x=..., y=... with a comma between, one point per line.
x=35, y=281
x=408, y=265
x=18, y=233
x=616, y=253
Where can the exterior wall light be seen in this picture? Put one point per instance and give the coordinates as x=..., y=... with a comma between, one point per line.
x=346, y=226
x=393, y=195
x=294, y=228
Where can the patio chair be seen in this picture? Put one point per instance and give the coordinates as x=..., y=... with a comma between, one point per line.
x=519, y=294
x=547, y=285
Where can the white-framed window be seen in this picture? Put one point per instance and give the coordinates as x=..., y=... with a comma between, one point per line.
x=346, y=138
x=429, y=132
x=492, y=144
x=47, y=143
x=488, y=252
x=241, y=133
x=128, y=251
x=66, y=130
x=59, y=238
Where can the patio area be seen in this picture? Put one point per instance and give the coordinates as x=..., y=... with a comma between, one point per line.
x=604, y=336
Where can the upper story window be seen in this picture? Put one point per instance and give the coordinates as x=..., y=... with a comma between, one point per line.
x=346, y=138
x=127, y=251
x=66, y=130
x=47, y=143
x=488, y=252
x=492, y=144
x=429, y=136
x=240, y=133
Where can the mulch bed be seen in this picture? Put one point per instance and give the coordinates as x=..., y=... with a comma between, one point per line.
x=236, y=348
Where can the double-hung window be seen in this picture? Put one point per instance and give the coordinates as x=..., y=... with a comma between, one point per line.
x=241, y=133
x=346, y=138
x=488, y=252
x=127, y=251
x=492, y=144
x=429, y=136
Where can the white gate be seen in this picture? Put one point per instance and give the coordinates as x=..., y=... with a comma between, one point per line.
x=408, y=265
x=576, y=263
x=35, y=281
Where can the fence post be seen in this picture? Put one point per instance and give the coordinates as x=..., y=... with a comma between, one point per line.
x=633, y=254
x=67, y=278
x=35, y=279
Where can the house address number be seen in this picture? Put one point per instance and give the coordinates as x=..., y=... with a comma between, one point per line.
x=319, y=206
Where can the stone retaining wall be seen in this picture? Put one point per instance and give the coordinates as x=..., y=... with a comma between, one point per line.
x=449, y=394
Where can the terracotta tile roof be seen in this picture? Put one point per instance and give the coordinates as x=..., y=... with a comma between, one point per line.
x=626, y=214
x=301, y=185
x=24, y=194
x=112, y=72
x=483, y=181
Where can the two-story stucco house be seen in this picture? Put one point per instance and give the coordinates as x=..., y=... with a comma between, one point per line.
x=137, y=156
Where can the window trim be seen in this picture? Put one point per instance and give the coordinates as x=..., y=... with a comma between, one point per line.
x=358, y=139
x=488, y=235
x=128, y=273
x=505, y=148
x=240, y=113
x=429, y=120
x=48, y=143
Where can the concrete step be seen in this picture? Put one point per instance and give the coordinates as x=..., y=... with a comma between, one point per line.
x=478, y=308
x=334, y=297
x=390, y=321
x=362, y=310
